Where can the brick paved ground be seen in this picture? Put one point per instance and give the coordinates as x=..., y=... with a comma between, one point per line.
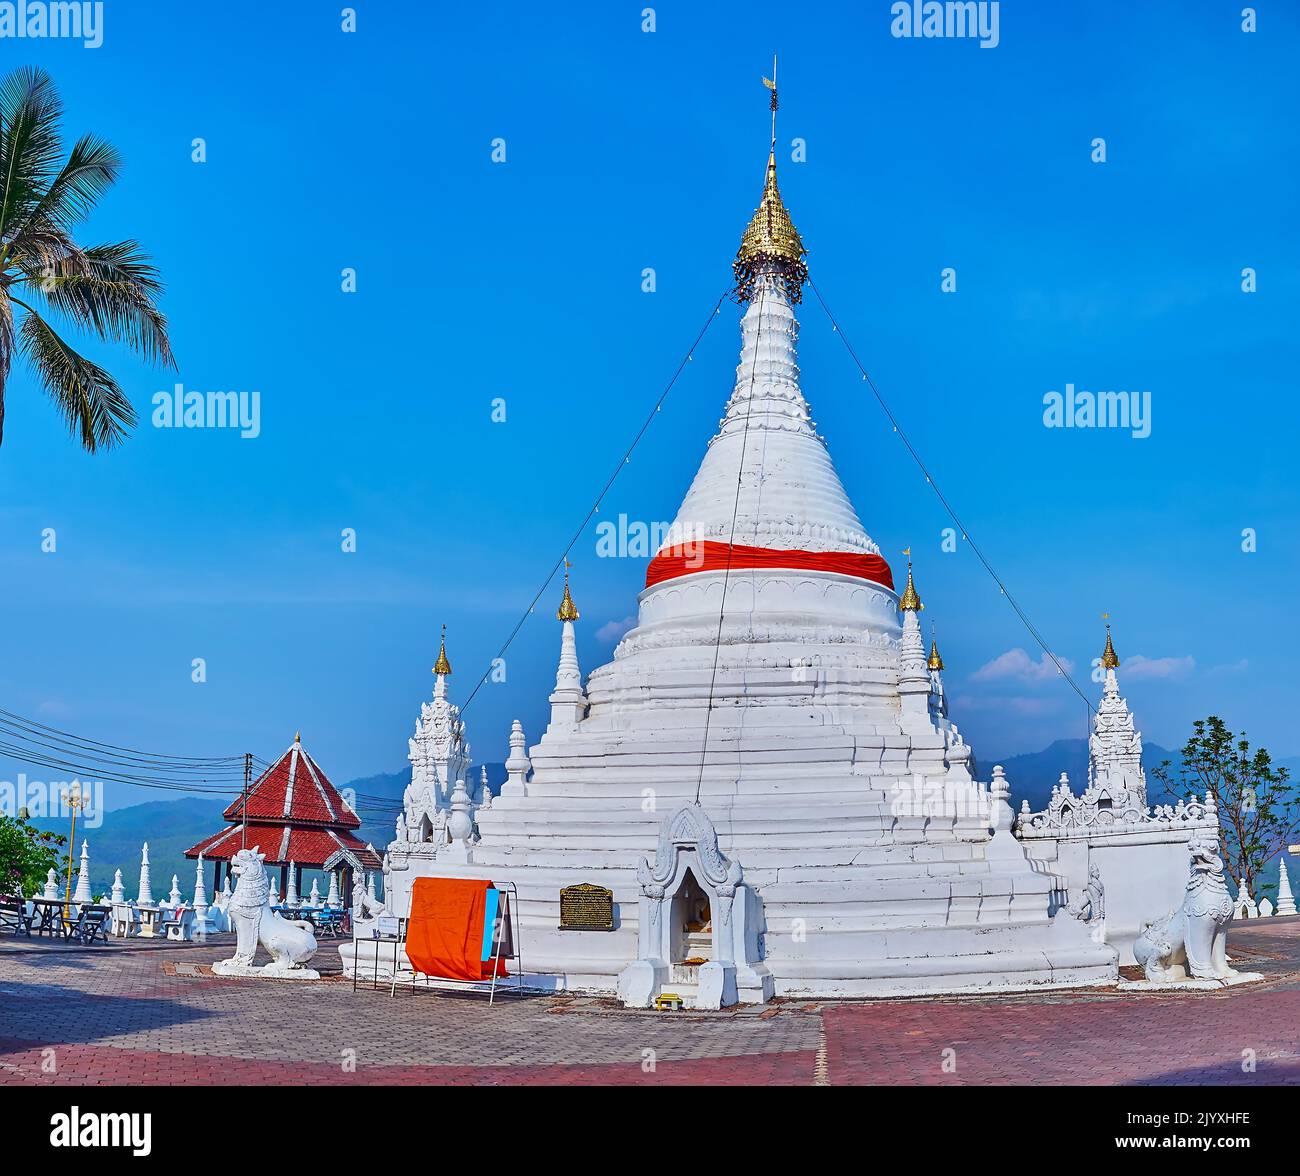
x=143, y=1012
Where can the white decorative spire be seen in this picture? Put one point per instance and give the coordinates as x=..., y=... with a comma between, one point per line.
x=332, y=898
x=291, y=890
x=83, y=893
x=145, y=897
x=51, y=885
x=1114, y=747
x=766, y=468
x=461, y=823
x=484, y=789
x=518, y=764
x=314, y=897
x=370, y=887
x=438, y=754
x=568, y=700
x=118, y=892
x=174, y=897
x=1285, y=899
x=202, y=926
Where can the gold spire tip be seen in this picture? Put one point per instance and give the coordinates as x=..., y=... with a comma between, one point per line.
x=911, y=601
x=936, y=662
x=1109, y=658
x=442, y=666
x=771, y=243
x=568, y=611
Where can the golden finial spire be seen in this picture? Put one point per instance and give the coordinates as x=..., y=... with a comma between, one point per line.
x=442, y=666
x=568, y=611
x=1109, y=658
x=911, y=601
x=297, y=736
x=935, y=662
x=771, y=240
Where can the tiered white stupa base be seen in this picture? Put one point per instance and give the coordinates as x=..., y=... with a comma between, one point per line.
x=856, y=900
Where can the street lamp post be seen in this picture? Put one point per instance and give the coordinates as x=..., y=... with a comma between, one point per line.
x=74, y=800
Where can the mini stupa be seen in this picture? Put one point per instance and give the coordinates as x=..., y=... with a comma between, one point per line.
x=765, y=775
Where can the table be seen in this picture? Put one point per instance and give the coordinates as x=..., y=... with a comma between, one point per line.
x=47, y=915
x=398, y=941
x=150, y=918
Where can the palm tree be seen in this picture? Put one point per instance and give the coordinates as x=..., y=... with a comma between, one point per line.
x=106, y=290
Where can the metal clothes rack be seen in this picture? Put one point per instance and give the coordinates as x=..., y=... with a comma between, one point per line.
x=512, y=905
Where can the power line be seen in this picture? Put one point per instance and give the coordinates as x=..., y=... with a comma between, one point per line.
x=595, y=506
x=965, y=533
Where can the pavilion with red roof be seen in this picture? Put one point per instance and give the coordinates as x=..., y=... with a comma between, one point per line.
x=295, y=816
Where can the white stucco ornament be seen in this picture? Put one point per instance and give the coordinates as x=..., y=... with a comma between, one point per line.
x=291, y=944
x=1192, y=942
x=688, y=854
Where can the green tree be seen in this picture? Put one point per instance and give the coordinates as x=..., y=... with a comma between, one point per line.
x=1258, y=811
x=26, y=855
x=106, y=290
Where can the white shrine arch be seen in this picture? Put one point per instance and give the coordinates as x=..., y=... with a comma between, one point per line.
x=688, y=857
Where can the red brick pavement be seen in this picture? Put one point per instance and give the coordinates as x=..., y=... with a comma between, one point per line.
x=98, y=1065
x=127, y=1015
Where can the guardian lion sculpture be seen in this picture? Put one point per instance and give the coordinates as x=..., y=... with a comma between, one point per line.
x=1194, y=939
x=290, y=943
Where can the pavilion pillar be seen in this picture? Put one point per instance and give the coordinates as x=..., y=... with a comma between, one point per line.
x=216, y=878
x=284, y=880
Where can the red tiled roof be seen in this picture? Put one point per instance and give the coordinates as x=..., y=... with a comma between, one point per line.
x=294, y=789
x=283, y=843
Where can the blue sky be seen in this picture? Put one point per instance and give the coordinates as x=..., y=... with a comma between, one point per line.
x=522, y=280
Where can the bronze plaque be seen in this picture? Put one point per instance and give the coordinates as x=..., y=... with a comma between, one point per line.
x=586, y=908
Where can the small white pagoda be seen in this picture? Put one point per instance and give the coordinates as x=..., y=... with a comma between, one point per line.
x=765, y=775
x=1108, y=834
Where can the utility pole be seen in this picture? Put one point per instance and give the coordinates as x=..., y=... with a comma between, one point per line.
x=248, y=779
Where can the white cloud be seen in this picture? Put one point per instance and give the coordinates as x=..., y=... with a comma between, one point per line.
x=612, y=631
x=1158, y=667
x=1017, y=666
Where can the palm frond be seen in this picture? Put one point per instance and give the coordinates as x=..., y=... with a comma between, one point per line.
x=110, y=290
x=89, y=398
x=6, y=352
x=30, y=144
x=91, y=169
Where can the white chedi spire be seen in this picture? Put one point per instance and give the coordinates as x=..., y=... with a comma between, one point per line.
x=145, y=895
x=568, y=700
x=83, y=893
x=118, y=892
x=790, y=497
x=1285, y=899
x=51, y=886
x=332, y=897
x=314, y=896
x=174, y=897
x=484, y=789
x=291, y=890
x=1115, y=747
x=438, y=754
x=202, y=925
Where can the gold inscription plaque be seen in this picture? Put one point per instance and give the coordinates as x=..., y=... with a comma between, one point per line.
x=585, y=907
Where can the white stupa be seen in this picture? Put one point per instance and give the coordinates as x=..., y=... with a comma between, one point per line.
x=764, y=775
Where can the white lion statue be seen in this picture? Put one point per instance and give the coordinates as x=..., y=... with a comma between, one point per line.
x=290, y=943
x=1194, y=939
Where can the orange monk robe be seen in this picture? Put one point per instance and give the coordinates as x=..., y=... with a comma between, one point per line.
x=444, y=937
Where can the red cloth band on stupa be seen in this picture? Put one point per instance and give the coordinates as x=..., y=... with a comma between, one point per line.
x=711, y=556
